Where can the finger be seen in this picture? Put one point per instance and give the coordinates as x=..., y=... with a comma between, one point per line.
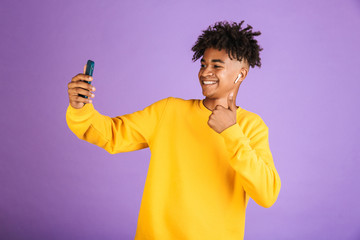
x=81, y=84
x=82, y=77
x=231, y=102
x=85, y=69
x=77, y=91
x=217, y=107
x=78, y=99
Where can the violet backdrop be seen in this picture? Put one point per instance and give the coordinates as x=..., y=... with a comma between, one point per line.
x=55, y=186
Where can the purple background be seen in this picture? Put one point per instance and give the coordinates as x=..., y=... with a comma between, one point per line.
x=55, y=186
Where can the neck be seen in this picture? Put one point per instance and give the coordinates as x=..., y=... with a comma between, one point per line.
x=211, y=103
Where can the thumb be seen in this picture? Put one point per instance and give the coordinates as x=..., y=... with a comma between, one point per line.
x=85, y=69
x=231, y=102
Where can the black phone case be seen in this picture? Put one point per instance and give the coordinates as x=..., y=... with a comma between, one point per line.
x=89, y=71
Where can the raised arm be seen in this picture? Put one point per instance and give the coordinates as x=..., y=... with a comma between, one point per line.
x=118, y=134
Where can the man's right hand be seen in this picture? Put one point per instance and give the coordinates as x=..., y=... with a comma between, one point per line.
x=76, y=87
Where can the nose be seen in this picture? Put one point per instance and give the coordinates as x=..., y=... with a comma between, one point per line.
x=206, y=72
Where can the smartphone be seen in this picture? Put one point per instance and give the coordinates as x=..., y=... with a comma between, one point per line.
x=89, y=71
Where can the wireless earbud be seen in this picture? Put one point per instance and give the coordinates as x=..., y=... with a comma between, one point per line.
x=237, y=79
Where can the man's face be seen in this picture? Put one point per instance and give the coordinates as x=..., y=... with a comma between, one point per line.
x=218, y=73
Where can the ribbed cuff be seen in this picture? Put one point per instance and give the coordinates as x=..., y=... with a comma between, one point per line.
x=80, y=114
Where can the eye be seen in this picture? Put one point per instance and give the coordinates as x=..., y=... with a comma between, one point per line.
x=202, y=65
x=217, y=66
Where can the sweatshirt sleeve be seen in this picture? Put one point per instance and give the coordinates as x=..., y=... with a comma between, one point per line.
x=125, y=133
x=250, y=156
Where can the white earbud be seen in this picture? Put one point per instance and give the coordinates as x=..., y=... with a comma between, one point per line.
x=237, y=79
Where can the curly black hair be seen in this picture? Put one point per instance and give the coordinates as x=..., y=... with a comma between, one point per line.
x=238, y=43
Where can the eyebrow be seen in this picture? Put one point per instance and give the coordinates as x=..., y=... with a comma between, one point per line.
x=214, y=61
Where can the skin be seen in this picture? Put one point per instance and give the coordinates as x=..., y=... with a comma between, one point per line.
x=77, y=86
x=220, y=97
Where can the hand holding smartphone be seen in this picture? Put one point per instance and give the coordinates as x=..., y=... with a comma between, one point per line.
x=80, y=90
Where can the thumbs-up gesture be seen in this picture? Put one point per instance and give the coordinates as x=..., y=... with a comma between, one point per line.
x=221, y=117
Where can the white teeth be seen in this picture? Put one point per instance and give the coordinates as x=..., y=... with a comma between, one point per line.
x=209, y=82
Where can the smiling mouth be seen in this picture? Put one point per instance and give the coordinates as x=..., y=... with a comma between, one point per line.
x=209, y=82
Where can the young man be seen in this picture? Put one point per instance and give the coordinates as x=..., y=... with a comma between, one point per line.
x=207, y=156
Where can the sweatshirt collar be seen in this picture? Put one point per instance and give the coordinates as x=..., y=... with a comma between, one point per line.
x=205, y=109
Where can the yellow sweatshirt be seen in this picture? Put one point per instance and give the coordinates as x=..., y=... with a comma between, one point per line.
x=199, y=181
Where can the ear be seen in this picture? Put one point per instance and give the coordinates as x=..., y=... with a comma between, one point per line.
x=243, y=71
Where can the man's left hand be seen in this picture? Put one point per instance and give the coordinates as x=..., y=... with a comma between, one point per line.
x=221, y=117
